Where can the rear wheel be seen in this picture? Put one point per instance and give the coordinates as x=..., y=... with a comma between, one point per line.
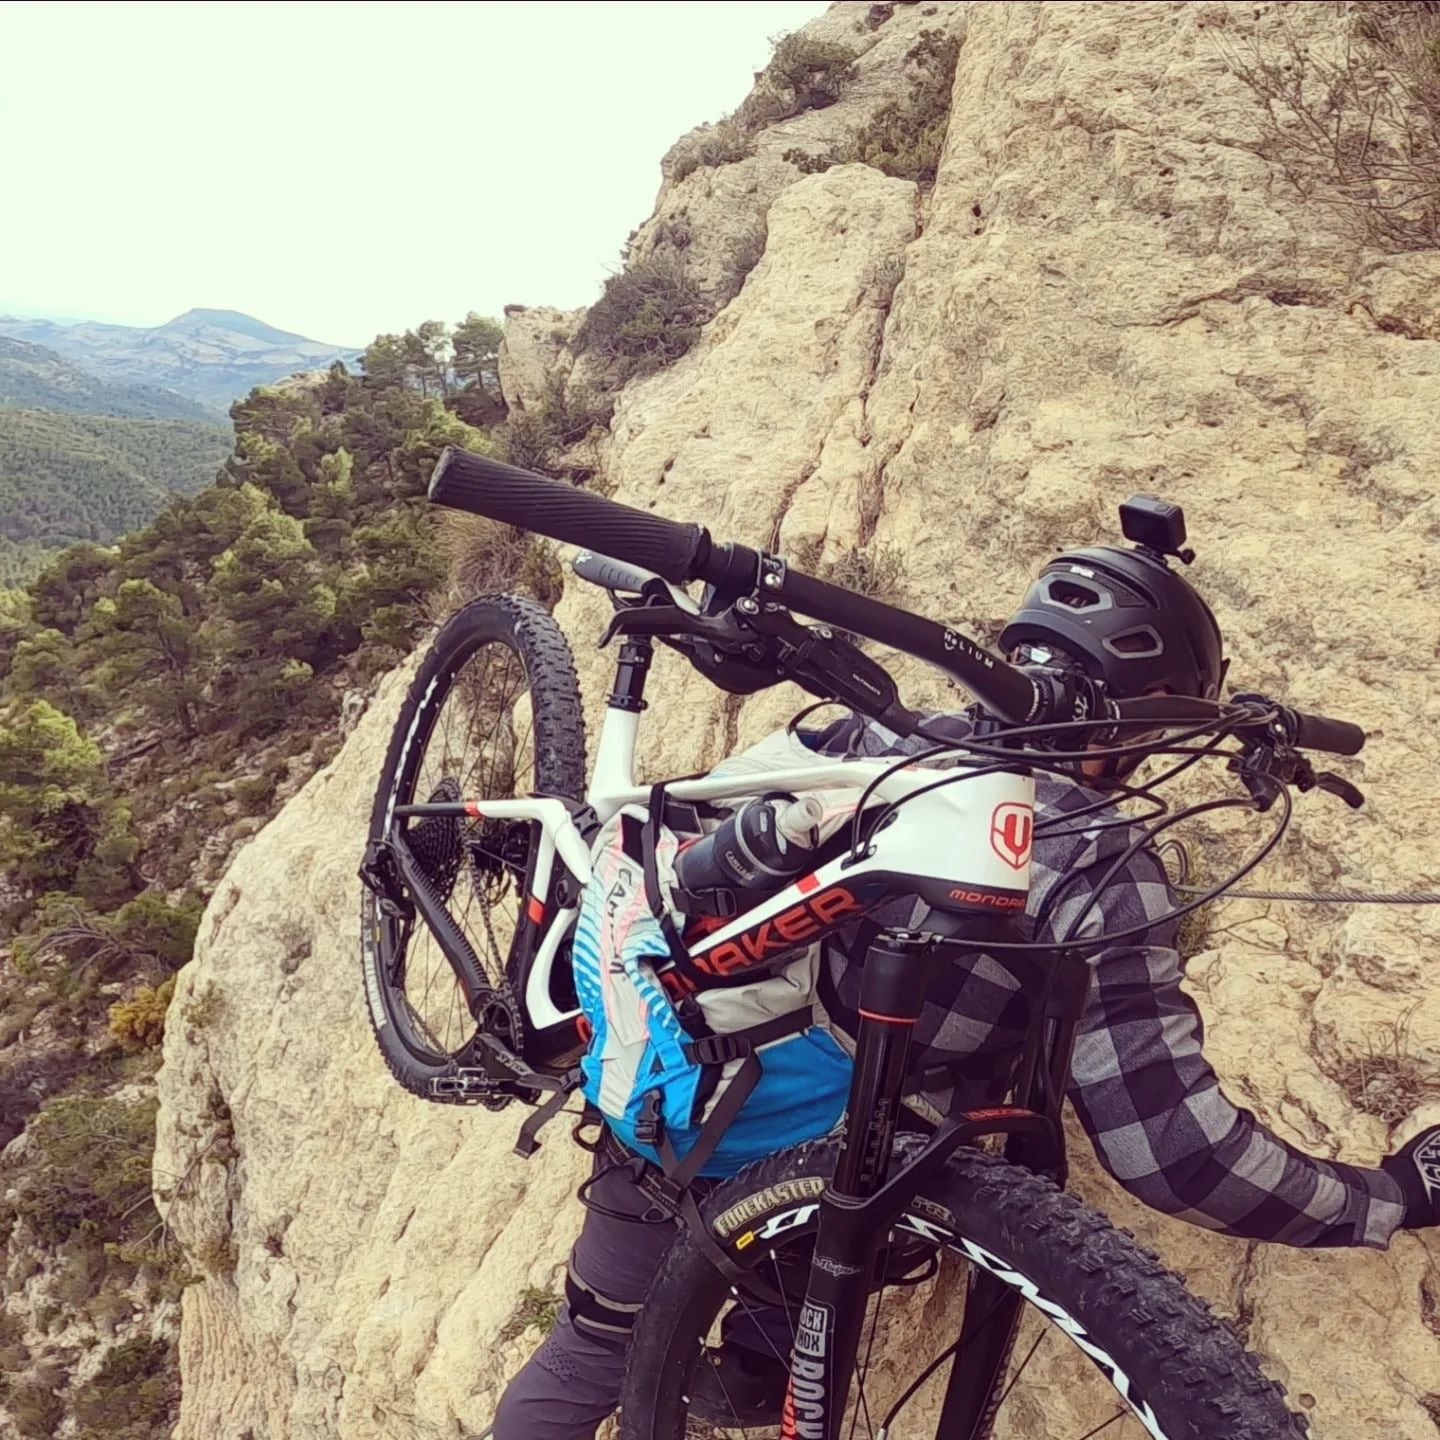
x=1110, y=1345
x=493, y=713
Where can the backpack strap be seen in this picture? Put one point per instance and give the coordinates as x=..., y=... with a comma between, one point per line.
x=742, y=1045
x=658, y=908
x=722, y=1049
x=529, y=1143
x=680, y=1176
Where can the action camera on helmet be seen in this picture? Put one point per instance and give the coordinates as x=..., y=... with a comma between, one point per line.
x=1155, y=524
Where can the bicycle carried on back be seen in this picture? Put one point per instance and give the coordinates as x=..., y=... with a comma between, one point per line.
x=478, y=854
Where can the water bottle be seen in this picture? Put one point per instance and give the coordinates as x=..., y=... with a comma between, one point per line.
x=762, y=845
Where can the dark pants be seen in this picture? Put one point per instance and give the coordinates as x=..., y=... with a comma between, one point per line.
x=573, y=1381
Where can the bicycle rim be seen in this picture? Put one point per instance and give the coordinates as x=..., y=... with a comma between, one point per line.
x=475, y=737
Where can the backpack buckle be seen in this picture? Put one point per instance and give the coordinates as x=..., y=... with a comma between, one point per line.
x=717, y=904
x=718, y=1049
x=650, y=1123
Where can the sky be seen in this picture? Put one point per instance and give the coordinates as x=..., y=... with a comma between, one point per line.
x=346, y=169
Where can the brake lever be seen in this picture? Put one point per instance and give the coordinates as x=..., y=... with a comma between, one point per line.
x=832, y=668
x=1306, y=778
x=1262, y=769
x=668, y=620
x=1334, y=784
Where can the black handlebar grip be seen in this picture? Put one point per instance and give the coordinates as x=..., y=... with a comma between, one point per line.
x=1320, y=732
x=563, y=512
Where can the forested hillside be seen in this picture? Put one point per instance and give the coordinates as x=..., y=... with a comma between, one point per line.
x=158, y=699
x=66, y=478
x=35, y=378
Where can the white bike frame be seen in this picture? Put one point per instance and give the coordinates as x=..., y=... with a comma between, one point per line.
x=948, y=833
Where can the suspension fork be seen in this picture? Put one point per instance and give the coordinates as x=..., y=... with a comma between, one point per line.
x=992, y=1307
x=828, y=1335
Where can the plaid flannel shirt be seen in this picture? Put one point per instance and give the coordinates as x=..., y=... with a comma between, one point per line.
x=1140, y=1083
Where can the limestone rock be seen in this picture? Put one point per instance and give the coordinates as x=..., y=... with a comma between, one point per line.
x=380, y=1244
x=532, y=351
x=1109, y=289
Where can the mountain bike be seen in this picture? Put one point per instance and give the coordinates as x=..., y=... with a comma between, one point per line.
x=476, y=860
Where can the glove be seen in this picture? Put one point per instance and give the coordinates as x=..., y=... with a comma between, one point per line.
x=1416, y=1170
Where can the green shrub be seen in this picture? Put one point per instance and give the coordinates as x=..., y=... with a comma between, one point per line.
x=134, y=1394
x=28, y=1077
x=808, y=164
x=35, y=1409
x=86, y=1169
x=253, y=793
x=204, y=1007
x=721, y=144
x=1356, y=128
x=139, y=1022
x=648, y=316
x=535, y=436
x=874, y=570
x=75, y=948
x=540, y=1308
x=904, y=138
x=745, y=255
x=803, y=74
x=151, y=925
x=488, y=557
x=14, y=1354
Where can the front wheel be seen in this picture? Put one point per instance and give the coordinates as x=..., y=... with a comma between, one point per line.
x=1099, y=1309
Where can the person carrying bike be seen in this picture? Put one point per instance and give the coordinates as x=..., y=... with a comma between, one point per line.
x=1149, y=1101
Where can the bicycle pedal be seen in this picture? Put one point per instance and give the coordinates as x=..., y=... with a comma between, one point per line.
x=467, y=1087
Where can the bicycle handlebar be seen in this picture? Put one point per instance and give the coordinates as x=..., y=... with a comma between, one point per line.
x=681, y=553
x=550, y=507
x=1291, y=727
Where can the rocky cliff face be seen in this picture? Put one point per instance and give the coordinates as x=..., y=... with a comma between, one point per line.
x=1109, y=288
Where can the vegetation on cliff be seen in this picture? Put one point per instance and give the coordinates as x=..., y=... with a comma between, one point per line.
x=159, y=697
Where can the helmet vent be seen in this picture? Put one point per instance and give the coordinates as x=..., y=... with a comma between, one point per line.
x=1139, y=644
x=1075, y=596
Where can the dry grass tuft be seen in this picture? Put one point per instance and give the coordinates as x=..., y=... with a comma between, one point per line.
x=1358, y=129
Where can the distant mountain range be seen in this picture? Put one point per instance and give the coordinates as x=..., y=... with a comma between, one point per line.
x=35, y=378
x=210, y=357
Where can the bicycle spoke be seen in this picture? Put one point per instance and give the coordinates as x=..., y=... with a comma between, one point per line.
x=864, y=1366
x=1015, y=1378
x=1118, y=1415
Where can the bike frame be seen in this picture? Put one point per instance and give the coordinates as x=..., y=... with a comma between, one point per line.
x=864, y=1200
x=560, y=866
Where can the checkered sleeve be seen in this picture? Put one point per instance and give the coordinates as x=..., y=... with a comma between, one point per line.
x=1154, y=1109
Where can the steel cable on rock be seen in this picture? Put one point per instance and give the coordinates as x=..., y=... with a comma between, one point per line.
x=1323, y=897
x=1313, y=897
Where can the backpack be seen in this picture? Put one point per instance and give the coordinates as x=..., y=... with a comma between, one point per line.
x=707, y=1083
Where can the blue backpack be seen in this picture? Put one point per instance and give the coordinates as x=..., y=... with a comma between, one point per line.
x=727, y=1076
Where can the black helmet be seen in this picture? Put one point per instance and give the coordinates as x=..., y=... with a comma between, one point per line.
x=1126, y=618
